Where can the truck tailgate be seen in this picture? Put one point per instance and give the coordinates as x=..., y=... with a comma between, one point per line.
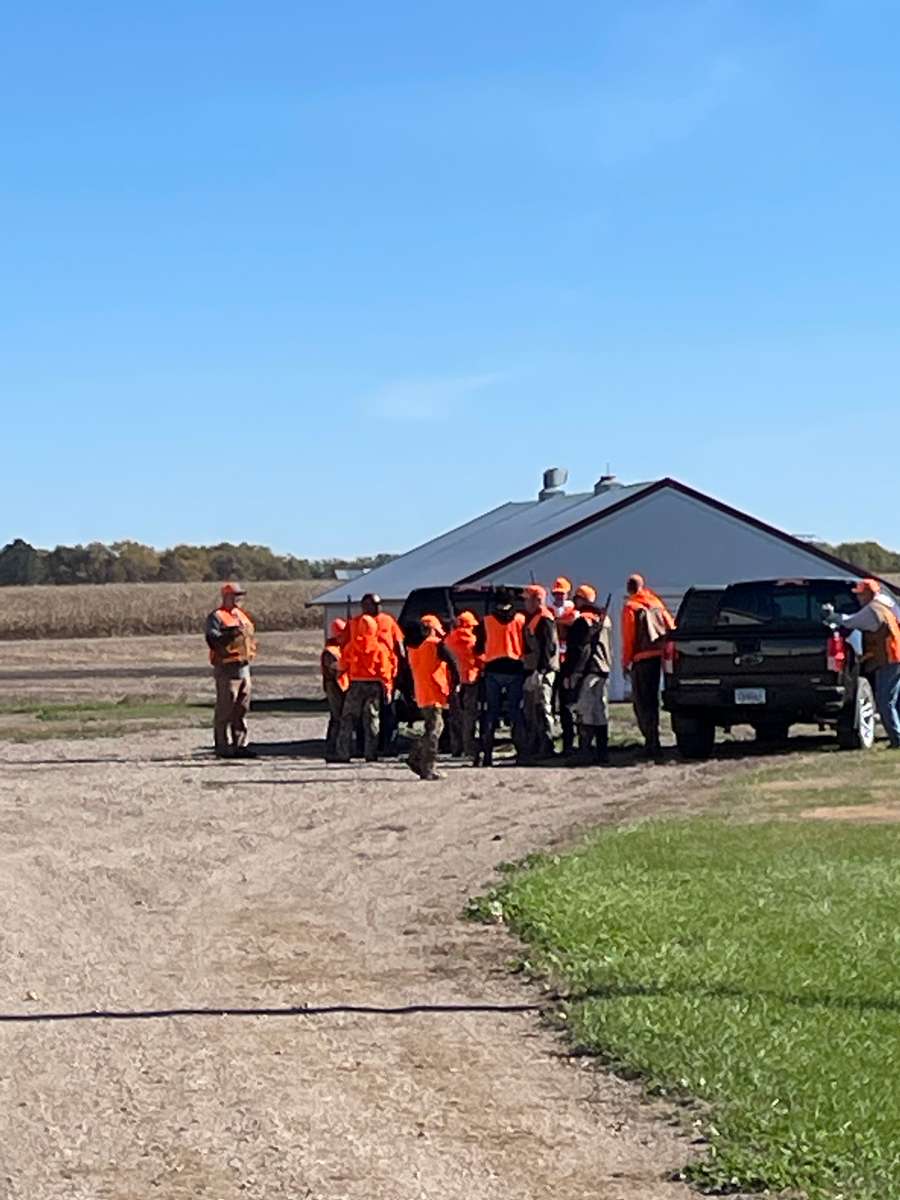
x=736, y=657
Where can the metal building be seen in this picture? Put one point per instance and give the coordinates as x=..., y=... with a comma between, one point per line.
x=672, y=534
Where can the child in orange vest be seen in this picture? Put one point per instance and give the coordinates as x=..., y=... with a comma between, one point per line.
x=368, y=664
x=465, y=699
x=434, y=676
x=334, y=685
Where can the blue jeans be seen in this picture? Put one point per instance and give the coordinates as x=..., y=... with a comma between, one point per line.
x=496, y=686
x=887, y=697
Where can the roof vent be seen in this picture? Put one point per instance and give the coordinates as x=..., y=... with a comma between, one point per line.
x=554, y=478
x=606, y=483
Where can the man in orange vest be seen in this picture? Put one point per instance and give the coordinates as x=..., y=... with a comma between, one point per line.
x=367, y=663
x=645, y=623
x=587, y=670
x=571, y=671
x=541, y=663
x=433, y=675
x=877, y=619
x=561, y=606
x=230, y=636
x=501, y=641
x=334, y=685
x=464, y=700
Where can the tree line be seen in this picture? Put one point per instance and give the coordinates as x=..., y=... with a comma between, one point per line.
x=132, y=562
x=868, y=555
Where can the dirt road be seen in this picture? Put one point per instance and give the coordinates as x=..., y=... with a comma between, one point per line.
x=142, y=874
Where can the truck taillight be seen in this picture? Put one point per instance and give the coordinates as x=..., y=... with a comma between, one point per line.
x=669, y=657
x=836, y=653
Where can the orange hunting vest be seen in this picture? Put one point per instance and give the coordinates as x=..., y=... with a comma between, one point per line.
x=239, y=649
x=883, y=646
x=461, y=644
x=333, y=650
x=431, y=676
x=503, y=641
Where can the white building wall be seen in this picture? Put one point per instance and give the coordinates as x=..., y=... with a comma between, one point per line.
x=673, y=540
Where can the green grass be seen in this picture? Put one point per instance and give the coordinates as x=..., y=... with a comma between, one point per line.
x=30, y=722
x=753, y=968
x=35, y=721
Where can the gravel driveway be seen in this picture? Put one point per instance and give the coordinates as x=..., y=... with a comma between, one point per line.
x=144, y=874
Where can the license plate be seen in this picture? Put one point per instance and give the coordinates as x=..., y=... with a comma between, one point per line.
x=749, y=695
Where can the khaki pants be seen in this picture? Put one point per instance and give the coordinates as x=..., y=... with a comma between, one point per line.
x=538, y=711
x=232, y=704
x=464, y=720
x=362, y=702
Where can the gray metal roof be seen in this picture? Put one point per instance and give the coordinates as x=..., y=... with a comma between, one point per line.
x=471, y=548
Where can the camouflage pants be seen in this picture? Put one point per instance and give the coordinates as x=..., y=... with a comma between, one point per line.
x=423, y=752
x=463, y=720
x=362, y=702
x=335, y=697
x=537, y=710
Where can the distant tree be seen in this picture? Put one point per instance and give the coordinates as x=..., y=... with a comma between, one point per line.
x=183, y=564
x=870, y=556
x=135, y=563
x=20, y=564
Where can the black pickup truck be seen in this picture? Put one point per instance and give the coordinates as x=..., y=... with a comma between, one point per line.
x=761, y=654
x=447, y=602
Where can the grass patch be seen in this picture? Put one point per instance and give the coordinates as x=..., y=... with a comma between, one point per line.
x=30, y=722
x=752, y=967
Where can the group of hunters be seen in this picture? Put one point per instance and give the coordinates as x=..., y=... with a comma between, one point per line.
x=552, y=659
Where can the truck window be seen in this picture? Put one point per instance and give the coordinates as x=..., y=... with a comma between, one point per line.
x=791, y=603
x=699, y=609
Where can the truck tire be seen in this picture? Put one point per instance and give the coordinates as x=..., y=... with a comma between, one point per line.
x=695, y=737
x=856, y=725
x=772, y=733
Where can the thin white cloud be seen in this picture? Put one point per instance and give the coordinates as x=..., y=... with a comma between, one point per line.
x=428, y=399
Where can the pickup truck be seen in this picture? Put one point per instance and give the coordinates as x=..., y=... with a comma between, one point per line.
x=761, y=653
x=447, y=602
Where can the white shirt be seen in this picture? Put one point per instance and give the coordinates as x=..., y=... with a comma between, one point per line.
x=560, y=610
x=867, y=618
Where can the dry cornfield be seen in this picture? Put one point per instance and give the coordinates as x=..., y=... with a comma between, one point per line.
x=123, y=609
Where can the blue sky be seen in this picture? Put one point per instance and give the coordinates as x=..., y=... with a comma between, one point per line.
x=335, y=277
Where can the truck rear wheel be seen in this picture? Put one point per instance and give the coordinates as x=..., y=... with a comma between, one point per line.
x=695, y=737
x=856, y=726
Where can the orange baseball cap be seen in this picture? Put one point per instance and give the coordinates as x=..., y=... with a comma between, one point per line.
x=433, y=623
x=338, y=625
x=467, y=619
x=535, y=589
x=867, y=585
x=233, y=589
x=586, y=592
x=562, y=585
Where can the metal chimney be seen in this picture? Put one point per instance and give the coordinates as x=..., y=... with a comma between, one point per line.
x=606, y=483
x=554, y=479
